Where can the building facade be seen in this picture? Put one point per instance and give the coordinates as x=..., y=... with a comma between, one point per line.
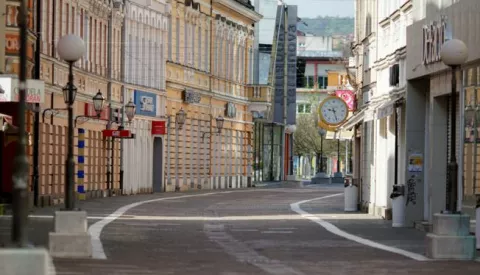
x=386, y=109
x=99, y=24
x=146, y=43
x=209, y=66
x=428, y=112
x=9, y=70
x=362, y=122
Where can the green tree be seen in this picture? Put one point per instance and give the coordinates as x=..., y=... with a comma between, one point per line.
x=307, y=140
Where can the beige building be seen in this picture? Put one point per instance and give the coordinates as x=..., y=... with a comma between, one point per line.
x=98, y=70
x=208, y=72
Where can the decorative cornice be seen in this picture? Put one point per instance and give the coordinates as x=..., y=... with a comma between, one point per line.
x=242, y=9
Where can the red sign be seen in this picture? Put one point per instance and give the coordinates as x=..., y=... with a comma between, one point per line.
x=117, y=133
x=90, y=111
x=158, y=128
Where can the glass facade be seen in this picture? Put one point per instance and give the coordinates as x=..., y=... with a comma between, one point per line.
x=267, y=151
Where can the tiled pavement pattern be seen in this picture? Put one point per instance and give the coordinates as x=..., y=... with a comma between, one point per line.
x=261, y=236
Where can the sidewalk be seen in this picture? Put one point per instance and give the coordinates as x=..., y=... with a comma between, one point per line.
x=367, y=226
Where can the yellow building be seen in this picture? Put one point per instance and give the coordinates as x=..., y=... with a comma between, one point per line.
x=208, y=70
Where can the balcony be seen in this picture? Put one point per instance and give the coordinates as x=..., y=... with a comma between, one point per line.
x=260, y=99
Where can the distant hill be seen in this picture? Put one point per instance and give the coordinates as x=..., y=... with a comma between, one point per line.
x=328, y=25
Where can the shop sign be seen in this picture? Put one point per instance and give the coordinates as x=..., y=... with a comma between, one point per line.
x=90, y=111
x=159, y=128
x=434, y=36
x=146, y=103
x=117, y=133
x=9, y=90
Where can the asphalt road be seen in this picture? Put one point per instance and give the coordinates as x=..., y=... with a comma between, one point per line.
x=253, y=232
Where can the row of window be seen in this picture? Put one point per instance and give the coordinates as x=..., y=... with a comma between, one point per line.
x=308, y=82
x=61, y=17
x=304, y=108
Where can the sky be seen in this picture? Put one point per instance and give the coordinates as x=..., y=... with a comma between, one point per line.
x=314, y=8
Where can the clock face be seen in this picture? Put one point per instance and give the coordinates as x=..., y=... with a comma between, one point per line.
x=333, y=110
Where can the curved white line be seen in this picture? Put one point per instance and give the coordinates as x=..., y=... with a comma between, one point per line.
x=335, y=230
x=95, y=229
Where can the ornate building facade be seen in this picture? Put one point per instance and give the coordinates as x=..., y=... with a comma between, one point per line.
x=145, y=50
x=208, y=71
x=99, y=24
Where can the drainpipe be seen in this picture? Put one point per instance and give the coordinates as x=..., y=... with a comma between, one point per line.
x=395, y=182
x=111, y=166
x=36, y=125
x=123, y=93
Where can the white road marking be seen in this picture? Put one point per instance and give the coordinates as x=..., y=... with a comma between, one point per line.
x=243, y=253
x=335, y=230
x=277, y=232
x=95, y=229
x=243, y=230
x=282, y=228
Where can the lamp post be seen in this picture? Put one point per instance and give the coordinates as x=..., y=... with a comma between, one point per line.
x=70, y=48
x=20, y=162
x=322, y=132
x=453, y=53
x=180, y=118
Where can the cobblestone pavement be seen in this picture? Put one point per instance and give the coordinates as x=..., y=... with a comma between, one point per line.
x=244, y=232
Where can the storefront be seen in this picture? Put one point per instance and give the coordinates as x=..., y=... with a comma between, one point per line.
x=9, y=126
x=428, y=112
x=267, y=151
x=143, y=157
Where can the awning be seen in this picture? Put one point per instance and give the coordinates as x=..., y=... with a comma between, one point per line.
x=387, y=108
x=353, y=120
x=342, y=134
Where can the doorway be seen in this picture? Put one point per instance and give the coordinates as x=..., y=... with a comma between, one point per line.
x=158, y=164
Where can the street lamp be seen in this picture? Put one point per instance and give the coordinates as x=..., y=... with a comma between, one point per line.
x=130, y=110
x=220, y=120
x=453, y=53
x=180, y=118
x=70, y=48
x=322, y=132
x=98, y=103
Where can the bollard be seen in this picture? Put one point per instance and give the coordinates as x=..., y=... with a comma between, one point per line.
x=351, y=195
x=398, y=205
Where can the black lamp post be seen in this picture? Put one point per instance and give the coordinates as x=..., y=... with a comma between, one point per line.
x=70, y=48
x=453, y=53
x=322, y=132
x=20, y=162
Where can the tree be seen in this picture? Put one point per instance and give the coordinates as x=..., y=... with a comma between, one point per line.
x=307, y=139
